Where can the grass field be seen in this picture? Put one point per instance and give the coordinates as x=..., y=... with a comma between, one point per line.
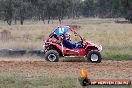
x=17, y=81
x=115, y=38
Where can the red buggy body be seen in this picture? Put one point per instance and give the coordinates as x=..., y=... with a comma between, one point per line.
x=54, y=49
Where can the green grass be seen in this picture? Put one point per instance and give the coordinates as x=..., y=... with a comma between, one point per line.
x=13, y=81
x=117, y=57
x=117, y=53
x=16, y=81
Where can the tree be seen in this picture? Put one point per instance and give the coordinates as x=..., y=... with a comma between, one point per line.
x=128, y=8
x=8, y=9
x=74, y=10
x=59, y=8
x=88, y=8
x=2, y=10
x=20, y=10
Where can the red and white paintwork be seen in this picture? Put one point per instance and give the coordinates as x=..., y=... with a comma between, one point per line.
x=88, y=46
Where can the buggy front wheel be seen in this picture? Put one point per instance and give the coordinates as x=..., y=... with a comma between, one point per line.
x=94, y=57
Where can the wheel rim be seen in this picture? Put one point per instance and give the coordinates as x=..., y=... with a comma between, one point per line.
x=52, y=57
x=94, y=57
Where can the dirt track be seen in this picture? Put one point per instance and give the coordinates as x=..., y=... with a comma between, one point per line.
x=104, y=70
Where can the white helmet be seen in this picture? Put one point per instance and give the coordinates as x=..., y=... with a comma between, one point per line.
x=68, y=36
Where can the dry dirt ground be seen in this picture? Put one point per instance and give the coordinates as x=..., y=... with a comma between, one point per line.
x=32, y=68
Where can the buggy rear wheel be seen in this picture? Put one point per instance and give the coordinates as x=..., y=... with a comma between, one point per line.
x=94, y=57
x=52, y=56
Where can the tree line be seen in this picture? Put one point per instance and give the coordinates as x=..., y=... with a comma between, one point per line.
x=12, y=11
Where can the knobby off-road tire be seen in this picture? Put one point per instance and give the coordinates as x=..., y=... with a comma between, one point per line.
x=52, y=56
x=94, y=57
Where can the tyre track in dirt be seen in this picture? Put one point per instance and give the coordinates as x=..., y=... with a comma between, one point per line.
x=34, y=68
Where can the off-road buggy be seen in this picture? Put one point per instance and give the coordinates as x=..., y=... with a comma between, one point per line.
x=54, y=47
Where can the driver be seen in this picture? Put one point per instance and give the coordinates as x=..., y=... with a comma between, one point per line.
x=66, y=42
